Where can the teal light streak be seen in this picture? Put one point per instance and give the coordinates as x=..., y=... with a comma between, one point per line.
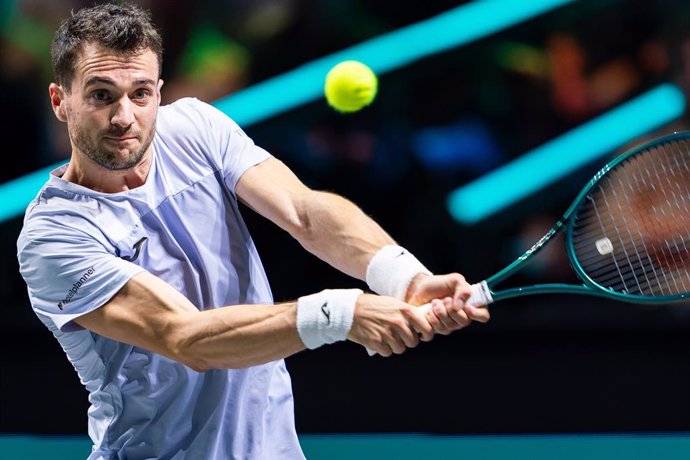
x=635, y=446
x=17, y=193
x=554, y=160
x=304, y=84
x=453, y=28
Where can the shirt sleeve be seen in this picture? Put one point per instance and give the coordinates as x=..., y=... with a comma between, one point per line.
x=240, y=155
x=236, y=152
x=70, y=274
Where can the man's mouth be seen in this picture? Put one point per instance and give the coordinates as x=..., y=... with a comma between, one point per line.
x=120, y=139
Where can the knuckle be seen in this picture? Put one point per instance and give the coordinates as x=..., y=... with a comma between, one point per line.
x=425, y=328
x=481, y=315
x=461, y=315
x=398, y=324
x=398, y=348
x=407, y=311
x=465, y=323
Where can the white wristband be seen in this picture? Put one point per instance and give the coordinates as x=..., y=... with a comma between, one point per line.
x=391, y=270
x=326, y=317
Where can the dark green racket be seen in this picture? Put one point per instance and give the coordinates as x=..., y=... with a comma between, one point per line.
x=627, y=234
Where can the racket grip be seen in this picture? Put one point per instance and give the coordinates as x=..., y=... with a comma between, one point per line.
x=481, y=295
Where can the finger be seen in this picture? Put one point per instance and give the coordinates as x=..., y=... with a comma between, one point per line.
x=480, y=314
x=462, y=292
x=396, y=345
x=384, y=350
x=457, y=316
x=420, y=322
x=410, y=338
x=440, y=311
x=432, y=319
x=405, y=329
x=460, y=318
x=379, y=347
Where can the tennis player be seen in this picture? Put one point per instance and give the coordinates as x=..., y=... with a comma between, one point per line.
x=137, y=259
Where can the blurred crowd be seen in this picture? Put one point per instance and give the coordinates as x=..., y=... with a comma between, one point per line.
x=435, y=125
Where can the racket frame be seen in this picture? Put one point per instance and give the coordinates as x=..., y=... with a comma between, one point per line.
x=589, y=286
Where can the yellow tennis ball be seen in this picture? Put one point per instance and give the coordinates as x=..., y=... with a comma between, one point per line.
x=350, y=86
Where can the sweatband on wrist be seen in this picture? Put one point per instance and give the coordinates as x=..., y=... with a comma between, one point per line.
x=326, y=317
x=391, y=270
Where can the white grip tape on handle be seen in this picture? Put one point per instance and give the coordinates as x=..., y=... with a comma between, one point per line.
x=481, y=295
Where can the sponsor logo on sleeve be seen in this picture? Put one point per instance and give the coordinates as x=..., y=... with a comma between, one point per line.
x=75, y=287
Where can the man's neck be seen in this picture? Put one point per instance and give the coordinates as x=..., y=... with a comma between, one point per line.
x=87, y=173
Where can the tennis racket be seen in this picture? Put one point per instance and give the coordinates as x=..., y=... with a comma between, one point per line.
x=627, y=234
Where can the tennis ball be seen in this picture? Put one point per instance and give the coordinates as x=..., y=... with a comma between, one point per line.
x=350, y=86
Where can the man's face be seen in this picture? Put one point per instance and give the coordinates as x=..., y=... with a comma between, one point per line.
x=112, y=106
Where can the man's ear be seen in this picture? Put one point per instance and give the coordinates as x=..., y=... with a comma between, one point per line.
x=158, y=90
x=57, y=101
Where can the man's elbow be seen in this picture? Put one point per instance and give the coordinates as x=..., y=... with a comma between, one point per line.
x=189, y=357
x=200, y=364
x=184, y=346
x=297, y=220
x=305, y=222
x=195, y=363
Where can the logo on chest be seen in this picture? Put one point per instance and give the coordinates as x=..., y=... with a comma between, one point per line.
x=136, y=248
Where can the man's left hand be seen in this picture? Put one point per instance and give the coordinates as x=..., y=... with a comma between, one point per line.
x=447, y=295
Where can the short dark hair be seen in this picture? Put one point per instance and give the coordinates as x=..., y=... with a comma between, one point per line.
x=121, y=27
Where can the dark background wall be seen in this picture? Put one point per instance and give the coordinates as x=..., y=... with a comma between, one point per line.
x=548, y=364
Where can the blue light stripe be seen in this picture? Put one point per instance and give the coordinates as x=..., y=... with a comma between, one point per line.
x=304, y=84
x=554, y=160
x=17, y=193
x=387, y=52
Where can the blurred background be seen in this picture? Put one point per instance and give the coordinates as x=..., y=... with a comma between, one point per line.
x=543, y=365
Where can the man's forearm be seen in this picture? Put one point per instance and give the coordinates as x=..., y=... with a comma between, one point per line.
x=338, y=232
x=238, y=336
x=149, y=313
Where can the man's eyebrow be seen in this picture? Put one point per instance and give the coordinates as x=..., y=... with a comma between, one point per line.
x=95, y=80
x=144, y=81
x=108, y=81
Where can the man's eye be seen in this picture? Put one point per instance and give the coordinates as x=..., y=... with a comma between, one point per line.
x=100, y=95
x=141, y=94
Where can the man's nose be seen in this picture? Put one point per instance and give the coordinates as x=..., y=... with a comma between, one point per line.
x=123, y=113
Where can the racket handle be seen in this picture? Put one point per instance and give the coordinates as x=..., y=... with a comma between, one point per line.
x=481, y=295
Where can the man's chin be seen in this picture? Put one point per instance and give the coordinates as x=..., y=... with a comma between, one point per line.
x=116, y=161
x=120, y=167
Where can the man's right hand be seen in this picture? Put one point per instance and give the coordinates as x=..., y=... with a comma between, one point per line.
x=387, y=325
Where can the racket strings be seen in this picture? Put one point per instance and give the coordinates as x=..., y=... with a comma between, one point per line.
x=660, y=198
x=632, y=232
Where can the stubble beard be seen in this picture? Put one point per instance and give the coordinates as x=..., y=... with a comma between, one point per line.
x=109, y=159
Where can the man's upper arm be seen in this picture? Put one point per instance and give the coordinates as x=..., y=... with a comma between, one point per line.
x=272, y=189
x=68, y=272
